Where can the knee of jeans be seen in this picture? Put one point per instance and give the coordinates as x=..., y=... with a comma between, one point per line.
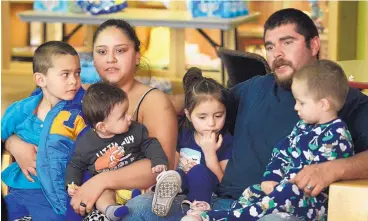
x=201, y=173
x=199, y=169
x=143, y=201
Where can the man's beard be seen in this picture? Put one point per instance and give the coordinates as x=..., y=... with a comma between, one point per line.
x=284, y=83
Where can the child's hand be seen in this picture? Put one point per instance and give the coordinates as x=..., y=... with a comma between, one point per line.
x=268, y=186
x=189, y=166
x=159, y=168
x=209, y=142
x=72, y=189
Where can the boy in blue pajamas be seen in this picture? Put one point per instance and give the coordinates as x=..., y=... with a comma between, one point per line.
x=320, y=91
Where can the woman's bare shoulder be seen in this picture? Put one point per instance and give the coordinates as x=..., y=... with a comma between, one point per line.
x=157, y=98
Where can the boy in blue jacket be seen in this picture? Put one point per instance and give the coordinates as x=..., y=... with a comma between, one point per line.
x=50, y=120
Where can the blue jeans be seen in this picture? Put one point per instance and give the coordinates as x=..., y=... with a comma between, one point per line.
x=140, y=209
x=199, y=183
x=30, y=202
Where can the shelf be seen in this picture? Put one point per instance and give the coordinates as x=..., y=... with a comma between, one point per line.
x=141, y=17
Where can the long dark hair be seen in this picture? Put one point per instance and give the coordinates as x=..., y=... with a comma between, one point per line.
x=198, y=89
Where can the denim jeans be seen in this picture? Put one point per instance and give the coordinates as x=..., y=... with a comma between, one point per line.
x=140, y=209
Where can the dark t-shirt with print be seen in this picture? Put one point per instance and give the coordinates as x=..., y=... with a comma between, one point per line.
x=97, y=154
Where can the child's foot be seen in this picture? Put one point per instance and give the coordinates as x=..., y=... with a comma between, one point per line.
x=167, y=187
x=195, y=211
x=116, y=212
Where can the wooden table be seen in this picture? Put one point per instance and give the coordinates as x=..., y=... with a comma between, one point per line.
x=177, y=21
x=348, y=201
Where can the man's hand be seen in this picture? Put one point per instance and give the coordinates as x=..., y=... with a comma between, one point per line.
x=87, y=195
x=314, y=178
x=268, y=186
x=208, y=142
x=159, y=168
x=25, y=155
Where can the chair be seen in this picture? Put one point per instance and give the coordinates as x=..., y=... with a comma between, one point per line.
x=242, y=66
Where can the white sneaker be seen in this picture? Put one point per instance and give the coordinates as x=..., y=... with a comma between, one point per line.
x=195, y=211
x=167, y=187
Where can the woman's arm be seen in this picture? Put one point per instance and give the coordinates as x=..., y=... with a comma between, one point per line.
x=137, y=175
x=24, y=153
x=159, y=117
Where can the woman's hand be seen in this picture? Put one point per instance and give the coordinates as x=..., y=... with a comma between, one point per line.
x=25, y=155
x=87, y=195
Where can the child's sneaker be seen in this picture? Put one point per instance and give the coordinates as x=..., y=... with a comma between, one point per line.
x=167, y=187
x=195, y=211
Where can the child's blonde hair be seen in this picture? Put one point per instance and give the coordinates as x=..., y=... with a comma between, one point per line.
x=325, y=79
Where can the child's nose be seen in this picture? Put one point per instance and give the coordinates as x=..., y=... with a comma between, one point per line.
x=211, y=122
x=296, y=107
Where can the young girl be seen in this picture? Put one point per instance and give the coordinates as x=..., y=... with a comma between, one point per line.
x=203, y=149
x=320, y=91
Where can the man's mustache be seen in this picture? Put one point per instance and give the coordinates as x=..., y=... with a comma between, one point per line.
x=280, y=62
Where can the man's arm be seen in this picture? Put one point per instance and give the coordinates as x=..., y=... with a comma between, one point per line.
x=355, y=167
x=324, y=174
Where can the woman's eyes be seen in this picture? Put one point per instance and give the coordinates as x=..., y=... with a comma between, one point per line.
x=101, y=52
x=119, y=50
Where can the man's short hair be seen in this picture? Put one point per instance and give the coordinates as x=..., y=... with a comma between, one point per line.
x=325, y=79
x=99, y=100
x=42, y=59
x=304, y=25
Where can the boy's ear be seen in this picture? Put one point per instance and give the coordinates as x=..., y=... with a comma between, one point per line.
x=101, y=126
x=187, y=115
x=325, y=104
x=40, y=80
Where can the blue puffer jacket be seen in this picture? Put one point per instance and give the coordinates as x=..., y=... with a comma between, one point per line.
x=61, y=127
